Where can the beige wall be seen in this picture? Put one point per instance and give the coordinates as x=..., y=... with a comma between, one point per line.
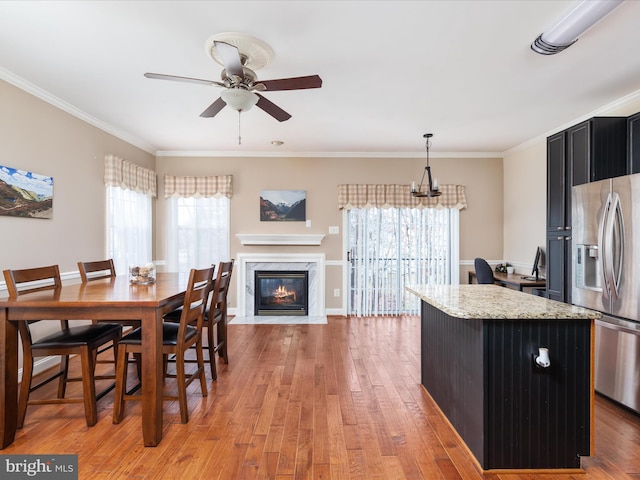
x=505, y=218
x=38, y=137
x=480, y=223
x=525, y=205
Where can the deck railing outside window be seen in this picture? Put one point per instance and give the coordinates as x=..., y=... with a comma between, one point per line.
x=393, y=247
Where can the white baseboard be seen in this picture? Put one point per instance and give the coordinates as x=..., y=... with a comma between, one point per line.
x=41, y=365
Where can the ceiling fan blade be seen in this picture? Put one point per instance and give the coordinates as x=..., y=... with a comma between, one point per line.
x=161, y=76
x=231, y=58
x=272, y=109
x=295, y=83
x=213, y=109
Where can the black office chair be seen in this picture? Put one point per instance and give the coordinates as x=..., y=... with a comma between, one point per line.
x=484, y=273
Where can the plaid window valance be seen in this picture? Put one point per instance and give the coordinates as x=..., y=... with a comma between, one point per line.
x=398, y=196
x=218, y=186
x=120, y=173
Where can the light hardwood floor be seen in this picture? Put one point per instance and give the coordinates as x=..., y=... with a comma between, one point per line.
x=336, y=401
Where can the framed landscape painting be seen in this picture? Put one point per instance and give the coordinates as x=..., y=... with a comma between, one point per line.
x=283, y=205
x=25, y=194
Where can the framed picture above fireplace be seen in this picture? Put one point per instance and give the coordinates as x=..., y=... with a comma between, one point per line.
x=283, y=205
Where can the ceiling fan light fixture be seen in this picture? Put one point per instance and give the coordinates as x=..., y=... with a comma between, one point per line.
x=239, y=99
x=565, y=32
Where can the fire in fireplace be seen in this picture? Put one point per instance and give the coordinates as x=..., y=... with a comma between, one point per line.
x=280, y=292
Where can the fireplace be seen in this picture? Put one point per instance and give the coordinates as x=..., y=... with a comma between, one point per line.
x=248, y=263
x=281, y=292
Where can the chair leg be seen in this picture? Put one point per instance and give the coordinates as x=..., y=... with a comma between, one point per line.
x=121, y=384
x=165, y=366
x=89, y=386
x=62, y=380
x=25, y=389
x=222, y=337
x=201, y=373
x=115, y=351
x=138, y=357
x=182, y=386
x=212, y=352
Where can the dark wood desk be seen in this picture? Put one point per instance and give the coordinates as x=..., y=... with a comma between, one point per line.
x=513, y=280
x=108, y=299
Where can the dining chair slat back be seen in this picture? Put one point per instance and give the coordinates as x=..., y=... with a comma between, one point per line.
x=96, y=270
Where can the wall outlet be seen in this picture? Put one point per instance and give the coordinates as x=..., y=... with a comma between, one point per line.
x=334, y=230
x=308, y=223
x=336, y=292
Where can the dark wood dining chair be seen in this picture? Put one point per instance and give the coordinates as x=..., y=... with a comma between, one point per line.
x=177, y=338
x=98, y=270
x=215, y=316
x=82, y=340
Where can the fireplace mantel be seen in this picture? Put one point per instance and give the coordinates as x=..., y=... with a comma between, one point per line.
x=279, y=239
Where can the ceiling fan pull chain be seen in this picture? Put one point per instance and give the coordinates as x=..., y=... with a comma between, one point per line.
x=239, y=136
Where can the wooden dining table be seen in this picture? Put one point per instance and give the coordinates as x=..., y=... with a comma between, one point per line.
x=106, y=299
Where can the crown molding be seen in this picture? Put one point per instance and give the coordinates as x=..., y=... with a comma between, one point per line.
x=45, y=96
x=602, y=111
x=213, y=153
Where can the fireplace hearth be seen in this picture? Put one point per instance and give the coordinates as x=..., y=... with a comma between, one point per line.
x=281, y=292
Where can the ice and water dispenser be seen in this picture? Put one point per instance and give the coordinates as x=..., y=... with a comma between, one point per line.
x=587, y=268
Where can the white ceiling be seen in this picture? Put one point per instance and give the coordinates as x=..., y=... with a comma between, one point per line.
x=392, y=71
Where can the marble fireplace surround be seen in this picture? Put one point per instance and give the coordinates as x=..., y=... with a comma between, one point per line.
x=248, y=263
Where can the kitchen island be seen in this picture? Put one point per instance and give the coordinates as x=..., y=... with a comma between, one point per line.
x=479, y=345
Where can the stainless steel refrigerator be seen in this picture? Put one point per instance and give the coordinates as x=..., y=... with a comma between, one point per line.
x=606, y=277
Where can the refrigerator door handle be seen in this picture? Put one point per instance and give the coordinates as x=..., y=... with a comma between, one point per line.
x=617, y=227
x=602, y=247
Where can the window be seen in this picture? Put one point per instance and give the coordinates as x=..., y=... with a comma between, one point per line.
x=130, y=189
x=397, y=239
x=197, y=233
x=197, y=221
x=393, y=247
x=129, y=229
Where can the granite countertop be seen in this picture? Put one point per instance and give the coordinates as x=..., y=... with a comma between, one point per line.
x=493, y=301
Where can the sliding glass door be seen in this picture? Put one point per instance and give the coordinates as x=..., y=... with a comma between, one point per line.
x=389, y=248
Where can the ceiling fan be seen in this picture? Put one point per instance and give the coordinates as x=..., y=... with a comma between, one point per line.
x=237, y=53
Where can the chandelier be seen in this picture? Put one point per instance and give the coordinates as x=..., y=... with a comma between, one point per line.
x=431, y=189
